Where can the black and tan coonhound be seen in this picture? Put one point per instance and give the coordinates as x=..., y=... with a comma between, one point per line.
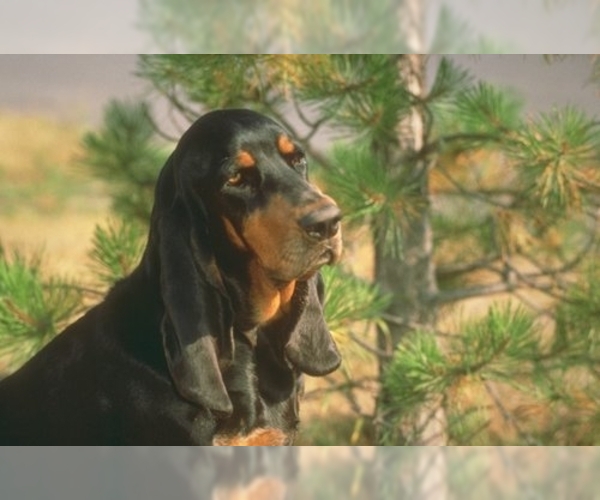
x=207, y=340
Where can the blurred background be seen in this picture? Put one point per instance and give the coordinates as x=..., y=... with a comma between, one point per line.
x=510, y=145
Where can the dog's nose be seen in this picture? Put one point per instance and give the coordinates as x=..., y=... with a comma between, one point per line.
x=322, y=223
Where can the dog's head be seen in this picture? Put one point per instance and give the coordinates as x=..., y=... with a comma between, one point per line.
x=239, y=229
x=256, y=184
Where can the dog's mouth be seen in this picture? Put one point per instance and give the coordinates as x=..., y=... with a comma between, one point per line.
x=327, y=258
x=306, y=261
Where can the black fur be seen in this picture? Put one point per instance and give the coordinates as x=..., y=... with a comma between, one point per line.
x=173, y=354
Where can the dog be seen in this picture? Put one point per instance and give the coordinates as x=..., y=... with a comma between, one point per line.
x=207, y=340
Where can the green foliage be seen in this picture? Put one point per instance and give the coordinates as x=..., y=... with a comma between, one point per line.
x=117, y=249
x=369, y=194
x=497, y=346
x=483, y=111
x=362, y=95
x=210, y=81
x=359, y=181
x=468, y=226
x=419, y=370
x=485, y=108
x=578, y=317
x=348, y=300
x=504, y=347
x=537, y=172
x=124, y=152
x=450, y=80
x=32, y=308
x=558, y=157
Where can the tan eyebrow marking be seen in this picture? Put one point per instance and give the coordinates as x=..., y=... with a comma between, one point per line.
x=245, y=160
x=285, y=145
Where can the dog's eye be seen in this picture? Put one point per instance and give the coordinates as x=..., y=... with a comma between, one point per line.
x=237, y=179
x=297, y=161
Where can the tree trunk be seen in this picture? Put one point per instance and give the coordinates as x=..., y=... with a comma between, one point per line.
x=410, y=279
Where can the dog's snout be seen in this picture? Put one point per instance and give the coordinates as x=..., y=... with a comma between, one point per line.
x=322, y=223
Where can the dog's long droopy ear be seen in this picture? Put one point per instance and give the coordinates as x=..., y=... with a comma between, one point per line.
x=311, y=348
x=197, y=333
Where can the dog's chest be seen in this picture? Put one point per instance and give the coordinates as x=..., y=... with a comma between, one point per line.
x=255, y=420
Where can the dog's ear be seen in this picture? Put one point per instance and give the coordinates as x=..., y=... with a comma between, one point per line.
x=311, y=348
x=298, y=342
x=197, y=324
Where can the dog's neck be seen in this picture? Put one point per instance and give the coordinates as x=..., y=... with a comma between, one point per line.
x=256, y=298
x=269, y=300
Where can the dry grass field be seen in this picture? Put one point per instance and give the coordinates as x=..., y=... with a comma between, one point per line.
x=47, y=202
x=50, y=205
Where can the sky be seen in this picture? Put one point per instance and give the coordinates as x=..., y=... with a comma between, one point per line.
x=66, y=87
x=77, y=87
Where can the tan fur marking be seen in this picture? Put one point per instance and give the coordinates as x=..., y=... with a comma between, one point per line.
x=286, y=295
x=266, y=233
x=268, y=301
x=245, y=160
x=267, y=436
x=267, y=230
x=285, y=145
x=266, y=298
x=232, y=234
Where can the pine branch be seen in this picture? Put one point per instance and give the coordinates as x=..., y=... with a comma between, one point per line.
x=471, y=140
x=161, y=133
x=83, y=290
x=507, y=415
x=314, y=127
x=369, y=348
x=517, y=278
x=529, y=280
x=567, y=266
x=448, y=296
x=350, y=396
x=479, y=196
x=459, y=268
x=117, y=249
x=413, y=325
x=186, y=111
x=533, y=306
x=357, y=383
x=32, y=309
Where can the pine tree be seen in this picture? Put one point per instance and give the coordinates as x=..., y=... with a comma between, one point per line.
x=460, y=195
